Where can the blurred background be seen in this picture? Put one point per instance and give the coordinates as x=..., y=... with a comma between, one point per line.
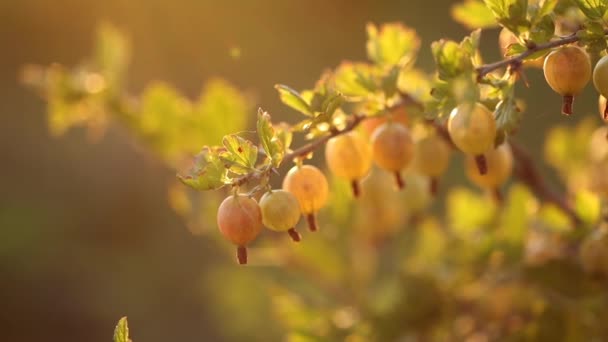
x=86, y=235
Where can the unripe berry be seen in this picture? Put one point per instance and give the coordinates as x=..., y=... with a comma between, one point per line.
x=600, y=81
x=281, y=212
x=397, y=114
x=567, y=71
x=349, y=156
x=500, y=166
x=393, y=149
x=240, y=220
x=432, y=158
x=473, y=130
x=310, y=187
x=594, y=252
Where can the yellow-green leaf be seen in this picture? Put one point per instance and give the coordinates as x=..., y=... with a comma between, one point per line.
x=474, y=14
x=121, y=332
x=391, y=44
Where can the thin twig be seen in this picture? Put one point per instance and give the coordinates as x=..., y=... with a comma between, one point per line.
x=516, y=61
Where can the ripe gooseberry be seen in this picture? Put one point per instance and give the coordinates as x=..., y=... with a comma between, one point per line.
x=397, y=114
x=600, y=81
x=473, y=130
x=393, y=149
x=240, y=220
x=281, y=212
x=500, y=166
x=349, y=156
x=567, y=71
x=432, y=158
x=311, y=189
x=594, y=252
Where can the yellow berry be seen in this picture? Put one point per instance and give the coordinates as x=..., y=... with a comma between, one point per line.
x=393, y=148
x=240, y=220
x=500, y=166
x=349, y=156
x=281, y=212
x=432, y=158
x=309, y=185
x=398, y=114
x=567, y=71
x=472, y=128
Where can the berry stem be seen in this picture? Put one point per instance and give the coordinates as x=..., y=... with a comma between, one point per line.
x=606, y=111
x=241, y=255
x=355, y=187
x=497, y=194
x=434, y=186
x=312, y=222
x=567, y=101
x=399, y=180
x=482, y=164
x=295, y=236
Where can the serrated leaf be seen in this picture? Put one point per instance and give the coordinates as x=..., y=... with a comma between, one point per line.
x=240, y=155
x=208, y=171
x=593, y=9
x=272, y=145
x=332, y=102
x=543, y=30
x=474, y=14
x=510, y=13
x=355, y=79
x=449, y=58
x=546, y=8
x=293, y=99
x=392, y=44
x=121, y=332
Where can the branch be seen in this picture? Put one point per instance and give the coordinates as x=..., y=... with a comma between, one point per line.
x=310, y=147
x=516, y=61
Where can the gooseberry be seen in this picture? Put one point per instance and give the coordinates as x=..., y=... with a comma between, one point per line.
x=473, y=130
x=500, y=165
x=281, y=212
x=240, y=221
x=393, y=149
x=349, y=156
x=600, y=81
x=567, y=71
x=397, y=114
x=432, y=158
x=309, y=185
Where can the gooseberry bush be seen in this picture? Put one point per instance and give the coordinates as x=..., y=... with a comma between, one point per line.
x=398, y=253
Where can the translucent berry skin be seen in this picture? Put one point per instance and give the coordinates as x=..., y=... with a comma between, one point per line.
x=309, y=185
x=432, y=156
x=397, y=115
x=392, y=146
x=600, y=76
x=239, y=219
x=500, y=167
x=567, y=71
x=349, y=156
x=472, y=128
x=280, y=210
x=594, y=252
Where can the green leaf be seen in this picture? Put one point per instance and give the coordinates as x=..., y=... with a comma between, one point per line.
x=121, y=332
x=510, y=13
x=474, y=14
x=293, y=99
x=241, y=154
x=208, y=172
x=593, y=9
x=543, y=30
x=546, y=8
x=356, y=79
x=392, y=44
x=468, y=212
x=593, y=37
x=272, y=145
